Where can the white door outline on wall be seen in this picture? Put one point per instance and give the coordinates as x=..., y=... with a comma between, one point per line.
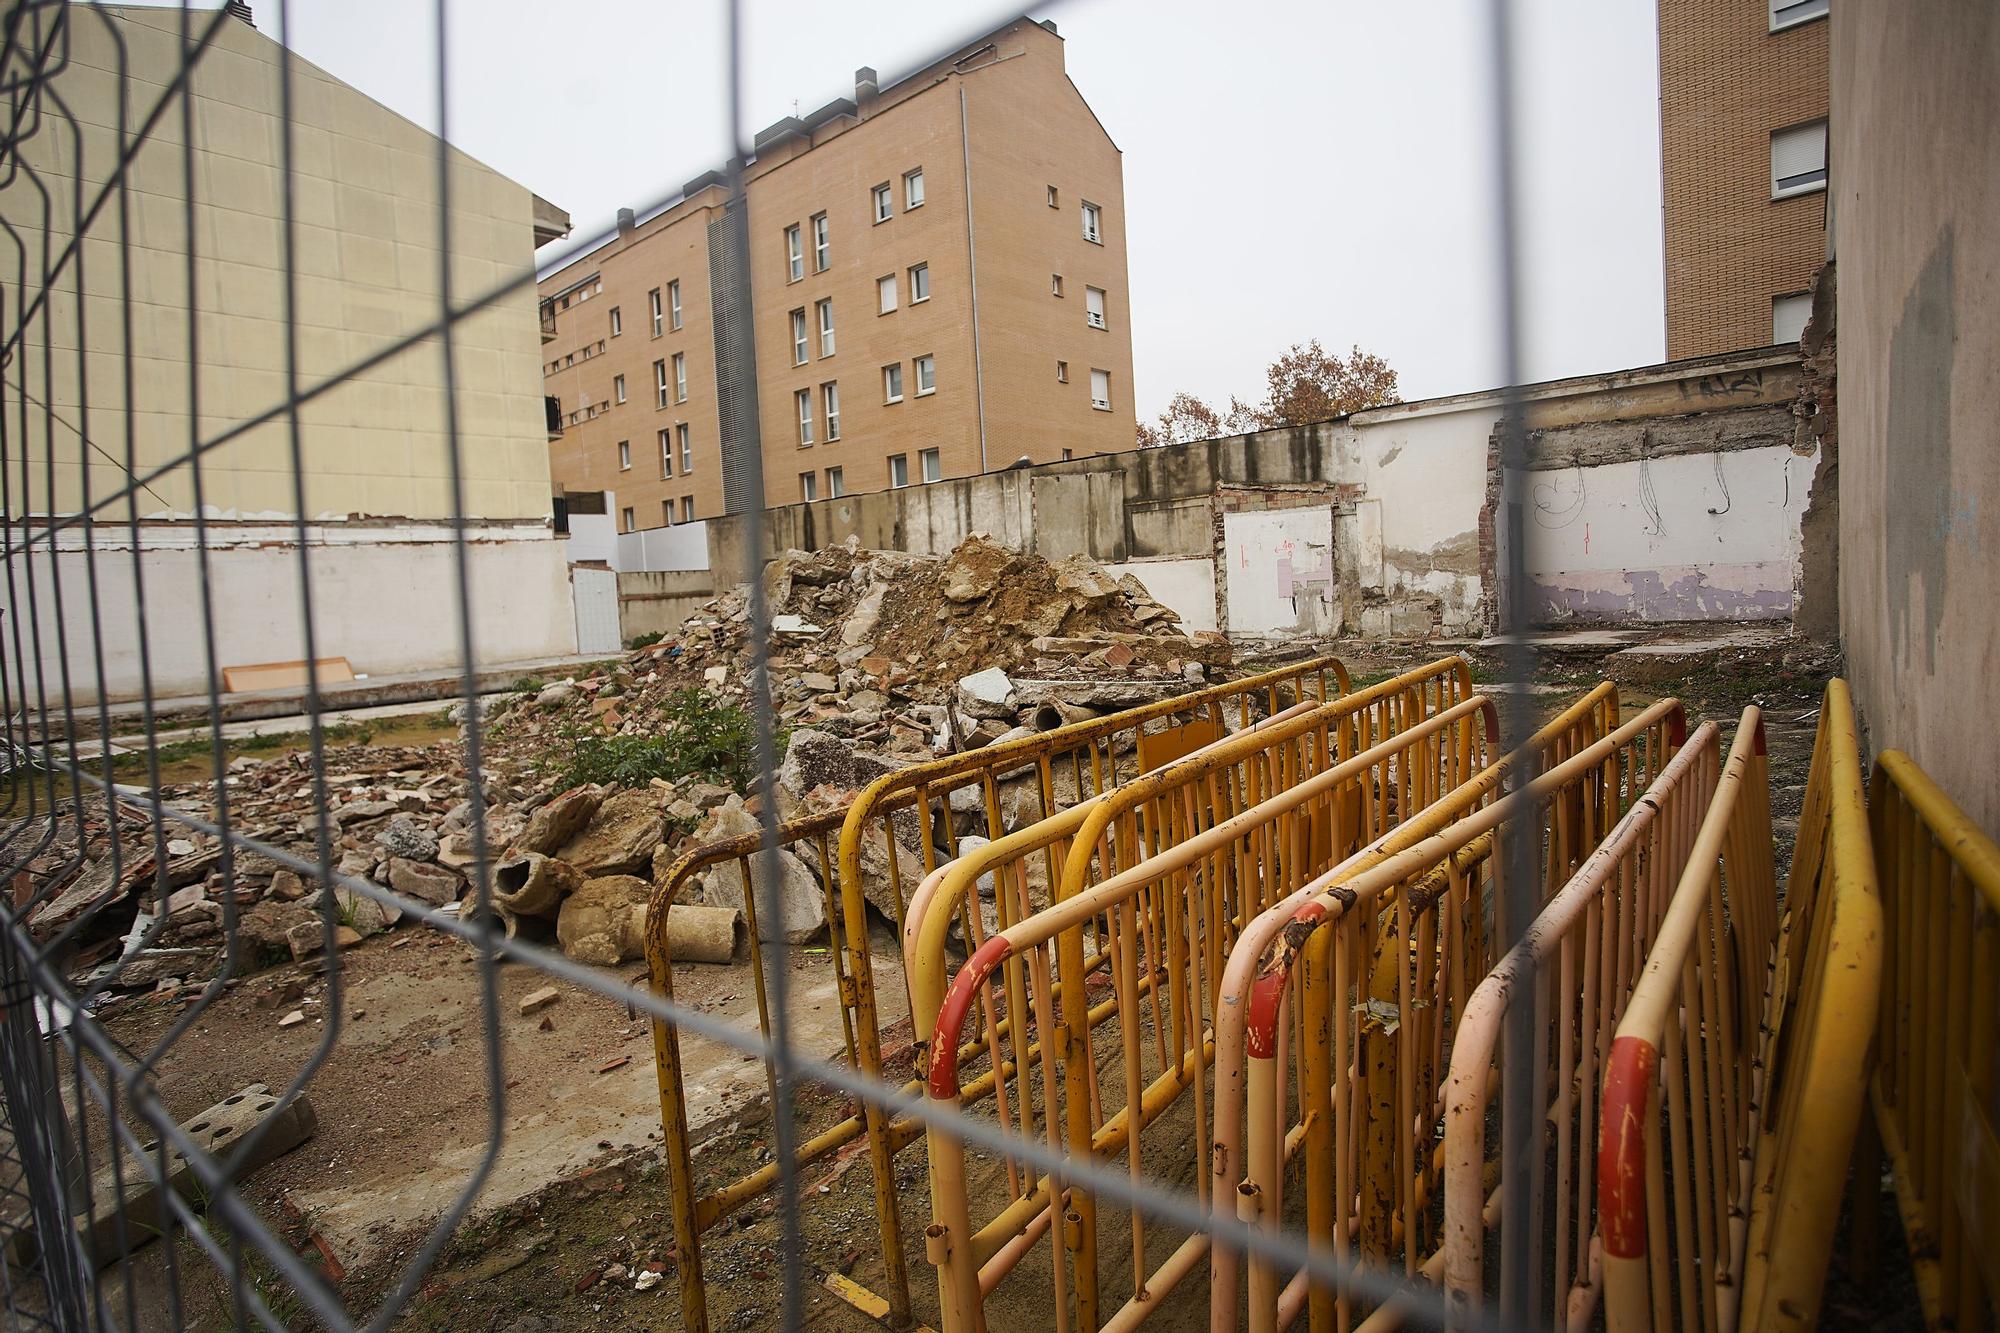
x=1279, y=571
x=596, y=610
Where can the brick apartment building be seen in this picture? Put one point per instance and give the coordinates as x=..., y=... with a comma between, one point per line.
x=937, y=274
x=1743, y=164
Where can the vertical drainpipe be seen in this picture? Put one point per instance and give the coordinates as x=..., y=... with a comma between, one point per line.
x=972, y=261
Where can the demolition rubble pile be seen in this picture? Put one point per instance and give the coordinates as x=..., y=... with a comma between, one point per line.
x=878, y=659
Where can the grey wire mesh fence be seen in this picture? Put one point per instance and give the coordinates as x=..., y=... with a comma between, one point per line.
x=114, y=1210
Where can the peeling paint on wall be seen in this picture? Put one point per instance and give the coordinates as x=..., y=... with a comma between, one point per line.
x=1707, y=592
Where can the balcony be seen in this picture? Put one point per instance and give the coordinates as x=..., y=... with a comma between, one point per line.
x=552, y=408
x=548, y=320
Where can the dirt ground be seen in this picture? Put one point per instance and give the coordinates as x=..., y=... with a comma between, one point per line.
x=573, y=1230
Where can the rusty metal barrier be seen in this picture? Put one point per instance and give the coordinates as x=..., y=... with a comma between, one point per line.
x=1362, y=974
x=1175, y=909
x=1576, y=966
x=1068, y=764
x=1739, y=1068
x=1934, y=1097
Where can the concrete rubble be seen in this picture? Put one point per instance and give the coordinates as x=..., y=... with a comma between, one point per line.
x=878, y=660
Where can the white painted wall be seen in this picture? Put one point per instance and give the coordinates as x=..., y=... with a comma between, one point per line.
x=1424, y=480
x=1279, y=571
x=1184, y=586
x=388, y=606
x=1712, y=536
x=593, y=538
x=679, y=548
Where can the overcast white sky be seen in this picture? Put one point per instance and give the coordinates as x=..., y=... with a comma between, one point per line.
x=1293, y=168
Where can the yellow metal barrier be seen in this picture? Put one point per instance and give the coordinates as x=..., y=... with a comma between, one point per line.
x=1934, y=1095
x=1065, y=766
x=1363, y=977
x=1735, y=1082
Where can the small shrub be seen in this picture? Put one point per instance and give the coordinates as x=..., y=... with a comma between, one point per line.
x=648, y=639
x=698, y=736
x=529, y=685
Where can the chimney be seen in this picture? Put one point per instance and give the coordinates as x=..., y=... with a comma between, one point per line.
x=241, y=9
x=625, y=222
x=865, y=87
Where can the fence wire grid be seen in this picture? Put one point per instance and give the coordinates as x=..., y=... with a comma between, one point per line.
x=92, y=1160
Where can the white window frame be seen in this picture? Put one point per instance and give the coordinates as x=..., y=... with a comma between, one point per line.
x=680, y=377
x=667, y=512
x=920, y=283
x=1787, y=301
x=1093, y=223
x=1791, y=13
x=1062, y=372
x=795, y=255
x=823, y=310
x=624, y=455
x=802, y=403
x=931, y=466
x=829, y=394
x=899, y=471
x=892, y=382
x=923, y=369
x=617, y=322
x=618, y=387
x=686, y=441
x=1055, y=199
x=801, y=344
x=1100, y=404
x=653, y=298
x=882, y=202
x=885, y=294
x=1093, y=307
x=913, y=189
x=674, y=304
x=808, y=486
x=631, y=520
x=1810, y=181
x=666, y=452
x=836, y=483
x=687, y=509
x=660, y=382
x=822, y=243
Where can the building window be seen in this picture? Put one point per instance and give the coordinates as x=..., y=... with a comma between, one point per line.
x=1062, y=372
x=617, y=322
x=1798, y=160
x=1788, y=316
x=884, y=202
x=660, y=382
x=653, y=301
x=666, y=513
x=1786, y=13
x=680, y=377
x=825, y=309
x=926, y=375
x=933, y=470
x=1093, y=307
x=687, y=509
x=913, y=189
x=687, y=455
x=822, y=243
x=1068, y=454
x=920, y=283
x=835, y=484
x=1055, y=284
x=618, y=387
x=674, y=303
x=795, y=256
x=798, y=337
x=1093, y=224
x=1053, y=201
x=666, y=454
x=631, y=522
x=1100, y=390
x=830, y=397
x=885, y=293
x=804, y=401
x=892, y=383
x=899, y=470
x=624, y=455
x=808, y=486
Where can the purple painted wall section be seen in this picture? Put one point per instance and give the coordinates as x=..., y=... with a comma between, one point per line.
x=1761, y=591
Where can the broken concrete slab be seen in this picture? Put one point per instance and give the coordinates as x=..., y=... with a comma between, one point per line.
x=557, y=821
x=988, y=693
x=620, y=837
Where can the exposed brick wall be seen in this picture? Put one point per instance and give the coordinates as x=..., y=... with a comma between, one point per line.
x=1726, y=82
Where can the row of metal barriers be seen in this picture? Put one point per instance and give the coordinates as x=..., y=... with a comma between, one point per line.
x=1243, y=944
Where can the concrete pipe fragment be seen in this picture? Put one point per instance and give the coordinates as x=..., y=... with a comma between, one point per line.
x=531, y=884
x=696, y=934
x=1053, y=713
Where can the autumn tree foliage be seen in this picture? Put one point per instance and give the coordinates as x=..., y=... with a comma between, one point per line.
x=1306, y=384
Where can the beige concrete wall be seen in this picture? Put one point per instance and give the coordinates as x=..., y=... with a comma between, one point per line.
x=366, y=252
x=1010, y=111
x=1916, y=171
